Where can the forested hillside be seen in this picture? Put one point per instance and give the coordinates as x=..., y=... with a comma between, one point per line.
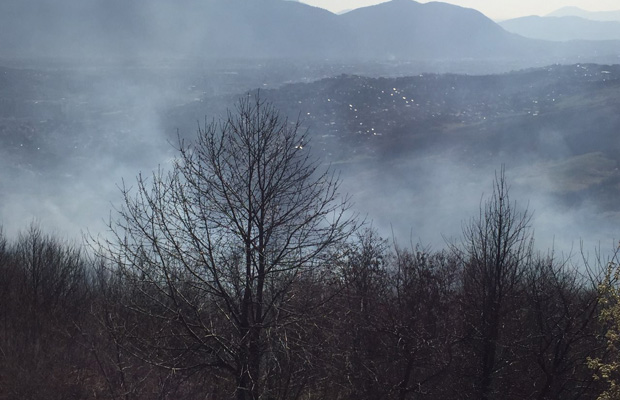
x=240, y=273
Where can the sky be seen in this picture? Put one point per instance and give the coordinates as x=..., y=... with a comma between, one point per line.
x=495, y=9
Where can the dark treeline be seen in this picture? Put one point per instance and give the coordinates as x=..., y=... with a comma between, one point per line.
x=203, y=293
x=390, y=323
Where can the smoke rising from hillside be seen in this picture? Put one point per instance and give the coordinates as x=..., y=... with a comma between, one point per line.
x=107, y=121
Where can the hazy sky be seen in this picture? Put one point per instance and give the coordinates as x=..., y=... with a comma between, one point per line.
x=496, y=9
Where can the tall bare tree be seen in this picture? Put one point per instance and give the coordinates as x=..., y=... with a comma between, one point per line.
x=212, y=247
x=496, y=249
x=561, y=330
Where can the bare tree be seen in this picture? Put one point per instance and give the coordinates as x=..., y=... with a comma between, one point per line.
x=365, y=276
x=606, y=366
x=213, y=247
x=496, y=249
x=43, y=292
x=422, y=321
x=561, y=330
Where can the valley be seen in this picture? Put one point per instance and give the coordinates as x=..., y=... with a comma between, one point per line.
x=417, y=137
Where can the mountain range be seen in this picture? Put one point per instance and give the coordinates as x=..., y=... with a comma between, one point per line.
x=563, y=28
x=268, y=29
x=592, y=15
x=404, y=28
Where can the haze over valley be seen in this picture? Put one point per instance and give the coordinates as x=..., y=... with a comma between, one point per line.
x=417, y=104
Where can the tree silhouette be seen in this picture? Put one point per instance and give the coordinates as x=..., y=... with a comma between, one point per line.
x=495, y=252
x=213, y=247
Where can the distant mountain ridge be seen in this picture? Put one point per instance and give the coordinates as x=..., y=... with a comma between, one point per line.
x=592, y=15
x=563, y=28
x=268, y=29
x=430, y=30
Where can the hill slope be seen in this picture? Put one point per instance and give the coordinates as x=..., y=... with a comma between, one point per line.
x=211, y=28
x=414, y=151
x=433, y=30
